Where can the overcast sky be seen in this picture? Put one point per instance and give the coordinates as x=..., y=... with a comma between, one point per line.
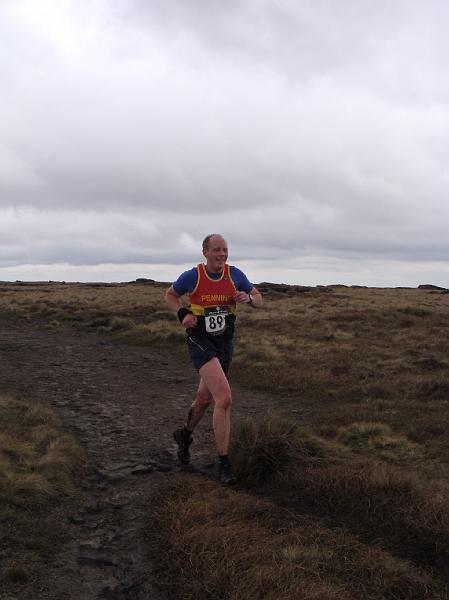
x=314, y=134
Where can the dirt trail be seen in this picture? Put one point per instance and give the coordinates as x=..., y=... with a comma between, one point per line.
x=122, y=403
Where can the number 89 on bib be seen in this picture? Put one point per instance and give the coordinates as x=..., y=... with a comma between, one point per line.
x=215, y=319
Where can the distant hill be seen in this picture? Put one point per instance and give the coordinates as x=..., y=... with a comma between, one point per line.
x=429, y=286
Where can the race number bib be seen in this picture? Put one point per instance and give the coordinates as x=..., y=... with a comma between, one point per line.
x=215, y=319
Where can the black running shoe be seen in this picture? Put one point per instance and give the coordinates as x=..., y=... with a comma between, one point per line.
x=225, y=474
x=183, y=438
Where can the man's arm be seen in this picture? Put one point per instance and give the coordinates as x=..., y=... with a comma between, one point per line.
x=174, y=302
x=173, y=299
x=257, y=298
x=253, y=298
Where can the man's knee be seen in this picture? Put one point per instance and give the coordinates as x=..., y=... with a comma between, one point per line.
x=224, y=399
x=203, y=400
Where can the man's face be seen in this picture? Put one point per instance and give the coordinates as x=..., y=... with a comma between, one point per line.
x=216, y=254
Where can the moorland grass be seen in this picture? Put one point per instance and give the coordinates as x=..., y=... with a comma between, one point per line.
x=39, y=466
x=373, y=355
x=310, y=475
x=216, y=544
x=365, y=373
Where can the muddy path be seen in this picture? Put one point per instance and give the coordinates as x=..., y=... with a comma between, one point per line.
x=122, y=403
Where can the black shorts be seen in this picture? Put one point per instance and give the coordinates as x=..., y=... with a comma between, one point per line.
x=203, y=348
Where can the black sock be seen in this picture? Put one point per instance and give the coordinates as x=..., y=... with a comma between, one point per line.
x=223, y=459
x=187, y=431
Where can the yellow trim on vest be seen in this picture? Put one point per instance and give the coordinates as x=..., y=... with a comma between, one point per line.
x=211, y=278
x=201, y=267
x=197, y=279
x=198, y=310
x=230, y=278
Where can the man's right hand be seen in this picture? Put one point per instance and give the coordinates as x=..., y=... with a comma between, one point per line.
x=189, y=321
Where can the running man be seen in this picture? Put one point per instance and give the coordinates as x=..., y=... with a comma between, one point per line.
x=214, y=291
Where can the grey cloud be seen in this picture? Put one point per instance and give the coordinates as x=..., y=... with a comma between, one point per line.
x=380, y=46
x=130, y=129
x=152, y=238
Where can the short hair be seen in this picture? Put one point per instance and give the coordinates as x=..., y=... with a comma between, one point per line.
x=208, y=238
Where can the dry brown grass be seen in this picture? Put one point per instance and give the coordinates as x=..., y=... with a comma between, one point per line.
x=39, y=465
x=356, y=355
x=365, y=372
x=217, y=544
x=379, y=441
x=135, y=313
x=37, y=459
x=380, y=502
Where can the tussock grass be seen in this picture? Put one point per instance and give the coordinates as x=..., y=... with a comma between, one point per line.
x=263, y=451
x=216, y=544
x=37, y=460
x=39, y=467
x=373, y=499
x=379, y=441
x=368, y=370
x=343, y=355
x=133, y=313
x=348, y=356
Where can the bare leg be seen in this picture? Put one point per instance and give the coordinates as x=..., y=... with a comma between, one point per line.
x=202, y=400
x=215, y=380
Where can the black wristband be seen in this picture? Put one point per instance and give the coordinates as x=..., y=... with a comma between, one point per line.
x=182, y=312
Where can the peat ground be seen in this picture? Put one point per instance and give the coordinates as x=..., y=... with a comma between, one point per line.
x=122, y=403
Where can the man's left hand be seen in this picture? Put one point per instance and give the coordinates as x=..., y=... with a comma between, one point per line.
x=242, y=297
